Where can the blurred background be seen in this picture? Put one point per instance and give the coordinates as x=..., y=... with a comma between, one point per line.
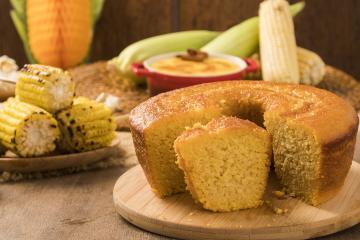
x=331, y=28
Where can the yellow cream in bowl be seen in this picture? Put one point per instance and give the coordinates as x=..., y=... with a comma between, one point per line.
x=207, y=67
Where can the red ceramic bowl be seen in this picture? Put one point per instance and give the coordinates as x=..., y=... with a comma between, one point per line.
x=162, y=82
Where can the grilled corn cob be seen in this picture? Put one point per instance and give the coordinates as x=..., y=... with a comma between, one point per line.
x=47, y=87
x=311, y=67
x=277, y=42
x=26, y=129
x=85, y=126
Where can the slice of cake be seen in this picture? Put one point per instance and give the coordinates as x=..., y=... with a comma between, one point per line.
x=226, y=163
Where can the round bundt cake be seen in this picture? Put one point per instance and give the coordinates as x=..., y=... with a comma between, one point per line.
x=313, y=132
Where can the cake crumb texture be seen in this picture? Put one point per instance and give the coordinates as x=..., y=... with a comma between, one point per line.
x=226, y=163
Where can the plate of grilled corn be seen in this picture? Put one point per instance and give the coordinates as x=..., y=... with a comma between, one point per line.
x=46, y=127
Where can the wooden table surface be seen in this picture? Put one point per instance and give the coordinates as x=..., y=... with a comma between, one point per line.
x=80, y=207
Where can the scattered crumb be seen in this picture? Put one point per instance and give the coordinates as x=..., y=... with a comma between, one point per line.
x=291, y=194
x=280, y=211
x=279, y=194
x=287, y=193
x=276, y=210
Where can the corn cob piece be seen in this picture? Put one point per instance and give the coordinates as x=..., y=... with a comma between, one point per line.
x=277, y=42
x=311, y=67
x=47, y=87
x=26, y=129
x=85, y=126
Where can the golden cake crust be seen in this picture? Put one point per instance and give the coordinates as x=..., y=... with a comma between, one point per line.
x=332, y=120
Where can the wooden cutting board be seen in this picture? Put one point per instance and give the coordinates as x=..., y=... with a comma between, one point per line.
x=178, y=216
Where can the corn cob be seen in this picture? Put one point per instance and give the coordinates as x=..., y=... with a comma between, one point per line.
x=277, y=42
x=171, y=42
x=311, y=67
x=26, y=129
x=47, y=87
x=242, y=40
x=85, y=126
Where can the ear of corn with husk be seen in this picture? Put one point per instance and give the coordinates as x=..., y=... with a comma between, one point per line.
x=85, y=126
x=242, y=40
x=47, y=87
x=311, y=67
x=146, y=48
x=277, y=43
x=26, y=129
x=56, y=33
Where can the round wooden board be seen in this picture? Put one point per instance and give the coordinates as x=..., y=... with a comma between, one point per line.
x=178, y=216
x=38, y=164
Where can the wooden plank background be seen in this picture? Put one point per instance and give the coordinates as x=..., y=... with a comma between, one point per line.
x=331, y=28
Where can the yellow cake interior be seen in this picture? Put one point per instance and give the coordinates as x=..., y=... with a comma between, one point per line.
x=226, y=163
